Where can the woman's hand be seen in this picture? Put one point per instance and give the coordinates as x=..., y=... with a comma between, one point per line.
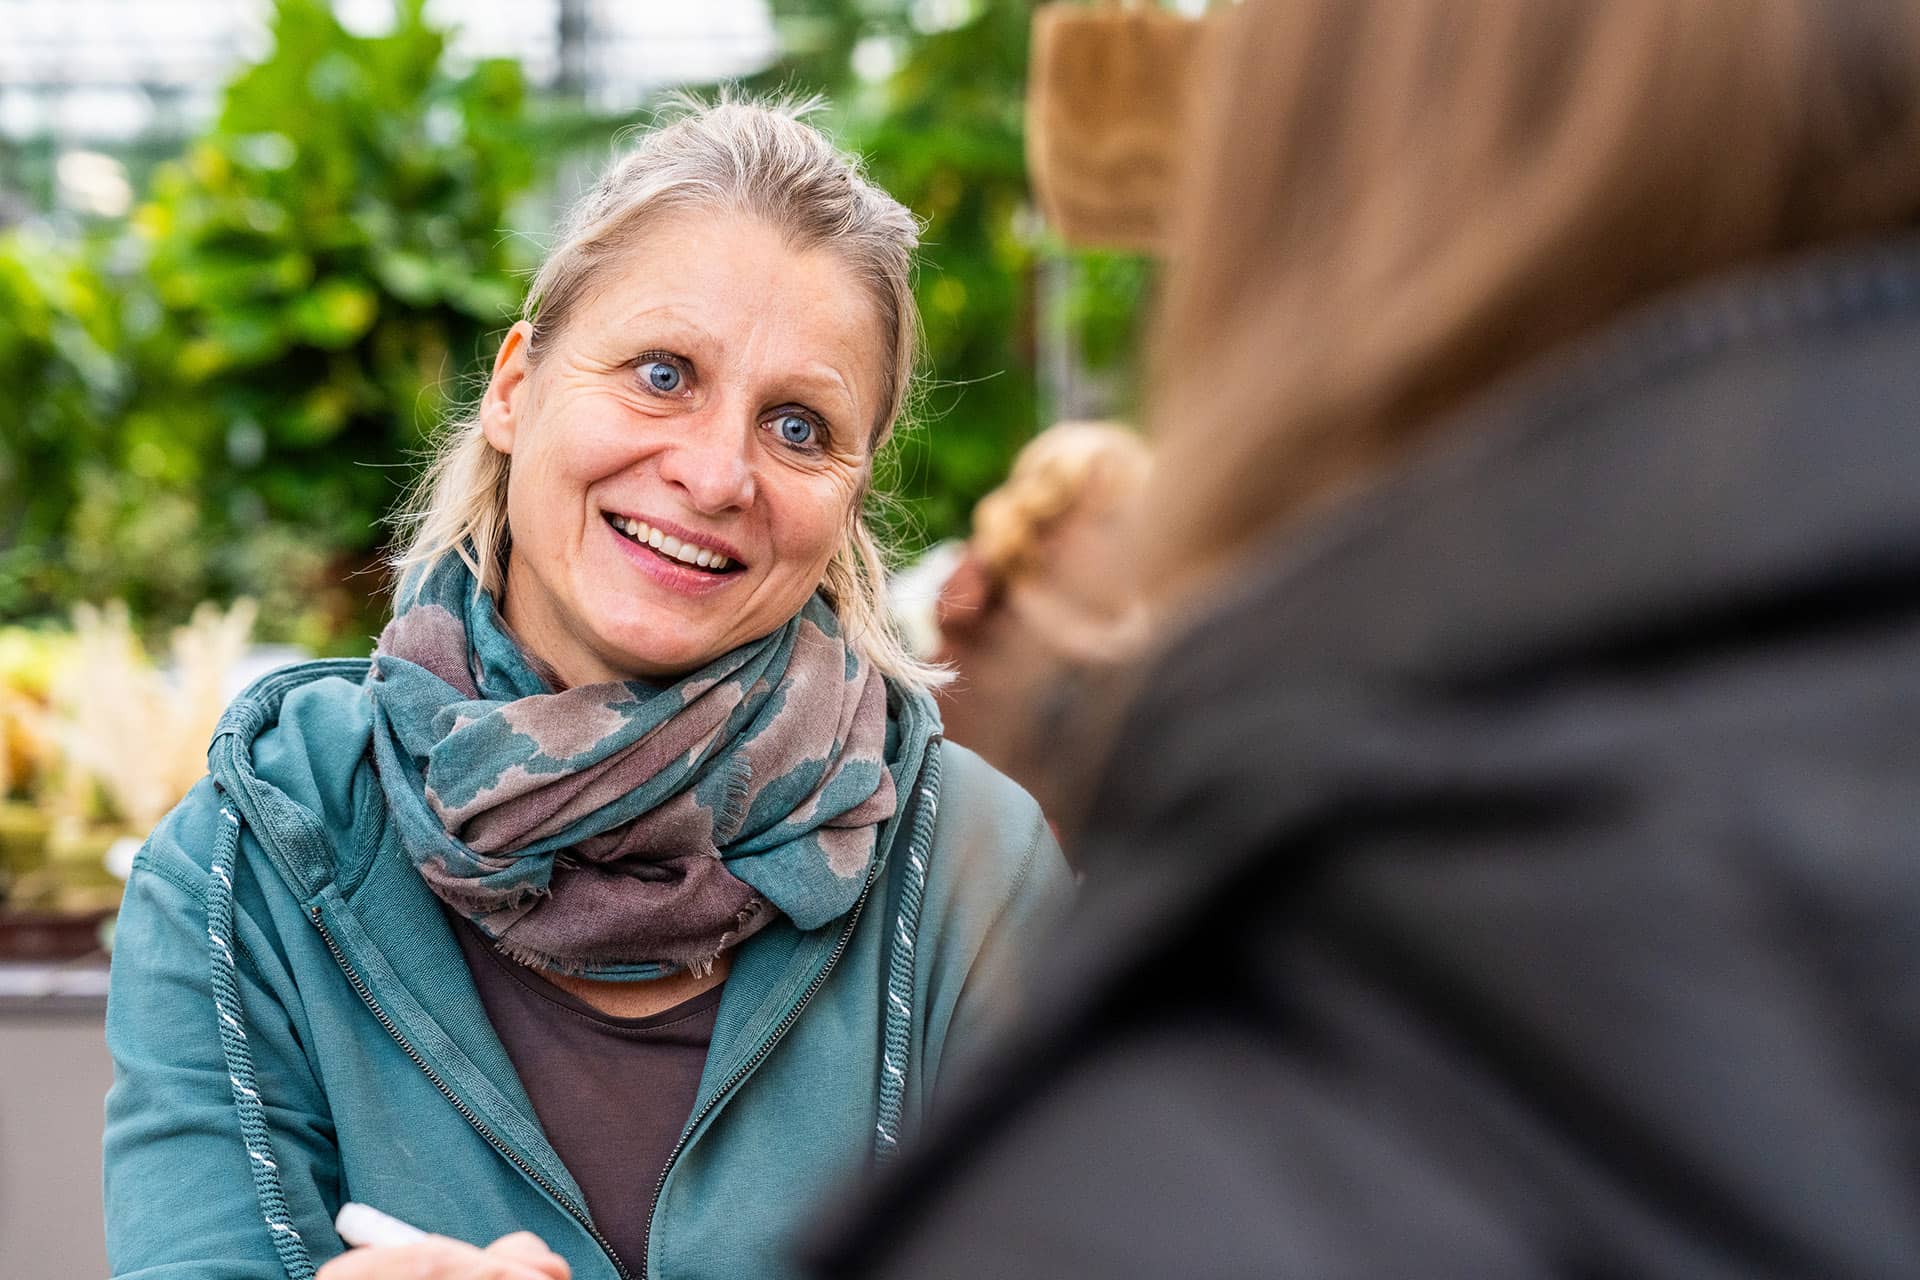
x=520, y=1256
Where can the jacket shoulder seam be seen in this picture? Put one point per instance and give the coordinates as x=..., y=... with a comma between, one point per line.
x=145, y=861
x=1027, y=861
x=196, y=892
x=1015, y=883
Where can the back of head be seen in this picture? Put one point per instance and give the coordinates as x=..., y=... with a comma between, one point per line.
x=1395, y=202
x=1069, y=467
x=1038, y=608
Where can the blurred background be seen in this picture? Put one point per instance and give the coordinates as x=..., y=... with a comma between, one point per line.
x=252, y=252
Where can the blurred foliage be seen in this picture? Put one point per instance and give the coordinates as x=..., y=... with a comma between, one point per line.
x=944, y=136
x=1105, y=308
x=316, y=304
x=289, y=319
x=64, y=383
x=223, y=396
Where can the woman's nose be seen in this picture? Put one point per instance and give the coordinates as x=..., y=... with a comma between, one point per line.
x=712, y=464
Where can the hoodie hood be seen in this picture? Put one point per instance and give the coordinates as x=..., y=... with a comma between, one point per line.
x=288, y=755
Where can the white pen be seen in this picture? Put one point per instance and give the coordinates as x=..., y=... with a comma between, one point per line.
x=361, y=1224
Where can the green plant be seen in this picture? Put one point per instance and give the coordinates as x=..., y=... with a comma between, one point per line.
x=59, y=326
x=321, y=271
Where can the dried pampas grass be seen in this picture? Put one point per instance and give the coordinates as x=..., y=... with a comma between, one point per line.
x=134, y=735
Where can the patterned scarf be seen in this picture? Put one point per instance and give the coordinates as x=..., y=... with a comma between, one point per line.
x=620, y=830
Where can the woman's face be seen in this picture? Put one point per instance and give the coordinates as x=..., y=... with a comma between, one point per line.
x=687, y=451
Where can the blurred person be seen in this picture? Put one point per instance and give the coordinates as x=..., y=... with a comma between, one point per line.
x=627, y=895
x=1512, y=866
x=1037, y=601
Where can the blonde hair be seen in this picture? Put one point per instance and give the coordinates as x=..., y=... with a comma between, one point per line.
x=1069, y=466
x=756, y=158
x=1397, y=201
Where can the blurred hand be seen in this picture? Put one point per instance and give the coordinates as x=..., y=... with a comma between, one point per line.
x=520, y=1256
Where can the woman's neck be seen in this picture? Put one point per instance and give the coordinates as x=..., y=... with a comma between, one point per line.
x=642, y=999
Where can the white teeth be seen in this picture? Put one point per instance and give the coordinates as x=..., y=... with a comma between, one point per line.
x=668, y=545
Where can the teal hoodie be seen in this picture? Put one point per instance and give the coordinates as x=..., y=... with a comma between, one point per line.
x=293, y=1025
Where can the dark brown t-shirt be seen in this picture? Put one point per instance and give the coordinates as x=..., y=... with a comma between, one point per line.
x=613, y=1094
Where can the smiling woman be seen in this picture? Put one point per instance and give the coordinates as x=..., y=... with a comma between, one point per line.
x=720, y=389
x=728, y=266
x=629, y=880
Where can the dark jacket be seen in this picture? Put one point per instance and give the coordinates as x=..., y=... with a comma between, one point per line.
x=1520, y=876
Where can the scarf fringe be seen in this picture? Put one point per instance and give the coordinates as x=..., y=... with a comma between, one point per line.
x=746, y=921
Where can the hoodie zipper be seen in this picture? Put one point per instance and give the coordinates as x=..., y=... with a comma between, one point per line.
x=753, y=1062
x=480, y=1126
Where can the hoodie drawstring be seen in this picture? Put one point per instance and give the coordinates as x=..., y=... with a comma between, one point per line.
x=906, y=925
x=294, y=1258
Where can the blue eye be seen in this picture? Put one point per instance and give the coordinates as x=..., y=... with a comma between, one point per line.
x=794, y=428
x=661, y=375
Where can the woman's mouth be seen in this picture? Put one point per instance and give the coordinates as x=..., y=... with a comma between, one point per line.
x=685, y=554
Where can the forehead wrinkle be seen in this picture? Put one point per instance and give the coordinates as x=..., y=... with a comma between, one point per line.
x=809, y=376
x=822, y=377
x=685, y=317
x=741, y=335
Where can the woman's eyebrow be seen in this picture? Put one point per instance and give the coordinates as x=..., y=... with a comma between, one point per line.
x=821, y=381
x=677, y=316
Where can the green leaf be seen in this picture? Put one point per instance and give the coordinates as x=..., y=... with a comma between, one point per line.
x=316, y=419
x=336, y=313
x=407, y=275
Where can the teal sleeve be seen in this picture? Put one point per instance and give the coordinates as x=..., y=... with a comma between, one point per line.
x=993, y=994
x=180, y=1197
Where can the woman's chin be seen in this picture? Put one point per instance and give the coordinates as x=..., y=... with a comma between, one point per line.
x=654, y=659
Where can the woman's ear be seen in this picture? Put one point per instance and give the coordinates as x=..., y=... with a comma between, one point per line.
x=504, y=401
